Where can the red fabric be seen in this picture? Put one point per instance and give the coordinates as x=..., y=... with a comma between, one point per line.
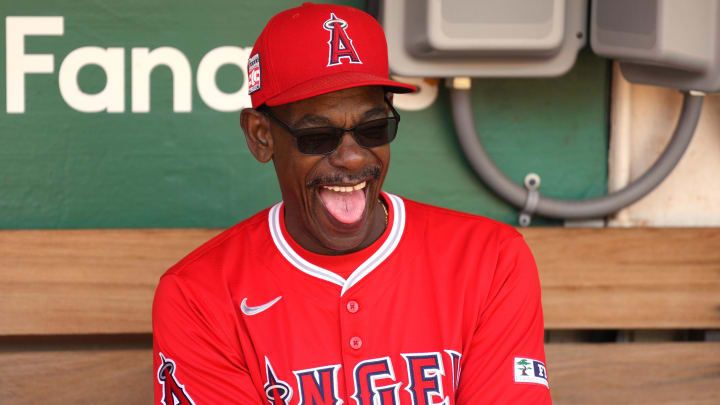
x=316, y=49
x=342, y=265
x=449, y=287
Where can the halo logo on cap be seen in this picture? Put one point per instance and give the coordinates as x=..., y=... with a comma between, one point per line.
x=340, y=43
x=254, y=73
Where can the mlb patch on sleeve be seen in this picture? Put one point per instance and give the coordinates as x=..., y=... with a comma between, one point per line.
x=530, y=371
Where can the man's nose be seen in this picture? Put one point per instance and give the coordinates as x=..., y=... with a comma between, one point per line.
x=349, y=154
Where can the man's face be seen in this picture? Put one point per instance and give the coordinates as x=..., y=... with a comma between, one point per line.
x=331, y=201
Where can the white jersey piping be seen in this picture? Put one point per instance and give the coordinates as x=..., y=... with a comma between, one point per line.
x=291, y=256
x=396, y=232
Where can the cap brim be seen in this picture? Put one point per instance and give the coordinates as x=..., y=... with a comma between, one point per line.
x=339, y=81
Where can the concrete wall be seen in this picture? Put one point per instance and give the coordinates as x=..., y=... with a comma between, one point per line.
x=643, y=120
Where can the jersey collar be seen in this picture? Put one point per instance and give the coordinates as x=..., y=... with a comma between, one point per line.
x=396, y=231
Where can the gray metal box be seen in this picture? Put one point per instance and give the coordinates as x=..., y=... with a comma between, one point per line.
x=483, y=38
x=667, y=43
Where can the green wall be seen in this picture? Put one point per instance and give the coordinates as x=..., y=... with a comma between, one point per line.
x=61, y=168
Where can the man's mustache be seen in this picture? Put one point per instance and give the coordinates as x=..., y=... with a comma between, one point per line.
x=373, y=172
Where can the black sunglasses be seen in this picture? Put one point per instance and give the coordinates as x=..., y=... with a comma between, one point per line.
x=324, y=140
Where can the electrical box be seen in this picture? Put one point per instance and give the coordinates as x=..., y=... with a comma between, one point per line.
x=666, y=43
x=483, y=38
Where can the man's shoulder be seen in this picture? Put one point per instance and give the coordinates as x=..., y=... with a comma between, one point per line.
x=246, y=236
x=440, y=218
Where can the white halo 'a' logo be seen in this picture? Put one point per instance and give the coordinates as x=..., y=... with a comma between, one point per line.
x=340, y=44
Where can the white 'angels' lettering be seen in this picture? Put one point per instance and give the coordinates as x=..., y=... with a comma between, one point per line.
x=455, y=362
x=367, y=392
x=425, y=372
x=319, y=385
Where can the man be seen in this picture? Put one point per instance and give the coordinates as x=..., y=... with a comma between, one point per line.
x=343, y=293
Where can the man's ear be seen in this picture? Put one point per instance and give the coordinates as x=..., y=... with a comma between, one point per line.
x=256, y=127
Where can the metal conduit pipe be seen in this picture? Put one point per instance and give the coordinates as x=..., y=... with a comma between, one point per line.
x=571, y=209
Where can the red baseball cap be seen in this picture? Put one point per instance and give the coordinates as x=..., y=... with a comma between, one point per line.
x=316, y=49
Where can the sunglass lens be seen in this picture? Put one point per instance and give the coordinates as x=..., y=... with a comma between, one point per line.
x=317, y=143
x=376, y=132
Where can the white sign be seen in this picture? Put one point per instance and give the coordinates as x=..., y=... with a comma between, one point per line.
x=111, y=98
x=112, y=61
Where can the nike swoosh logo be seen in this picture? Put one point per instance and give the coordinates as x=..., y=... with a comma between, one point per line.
x=248, y=310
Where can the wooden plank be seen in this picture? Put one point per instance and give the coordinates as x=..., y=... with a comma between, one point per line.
x=628, y=278
x=589, y=374
x=85, y=281
x=634, y=373
x=102, y=281
x=105, y=377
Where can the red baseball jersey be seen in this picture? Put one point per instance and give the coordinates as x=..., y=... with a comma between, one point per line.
x=446, y=311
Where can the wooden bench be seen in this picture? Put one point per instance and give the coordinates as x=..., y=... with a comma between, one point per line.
x=75, y=312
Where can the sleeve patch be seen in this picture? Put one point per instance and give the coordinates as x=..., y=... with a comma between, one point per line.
x=173, y=393
x=530, y=371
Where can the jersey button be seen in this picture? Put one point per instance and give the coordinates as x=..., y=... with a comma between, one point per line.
x=353, y=306
x=355, y=342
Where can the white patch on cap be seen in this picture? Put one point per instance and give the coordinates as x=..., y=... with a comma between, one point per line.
x=530, y=371
x=254, y=73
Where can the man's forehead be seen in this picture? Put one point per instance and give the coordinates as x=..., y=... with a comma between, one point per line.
x=362, y=102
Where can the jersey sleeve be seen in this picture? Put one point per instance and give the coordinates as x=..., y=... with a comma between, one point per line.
x=194, y=361
x=505, y=360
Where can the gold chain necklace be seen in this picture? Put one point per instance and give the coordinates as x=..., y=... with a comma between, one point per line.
x=387, y=215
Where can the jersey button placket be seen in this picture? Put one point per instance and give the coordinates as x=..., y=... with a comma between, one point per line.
x=352, y=306
x=352, y=332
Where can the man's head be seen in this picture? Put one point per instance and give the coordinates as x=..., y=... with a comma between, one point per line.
x=316, y=73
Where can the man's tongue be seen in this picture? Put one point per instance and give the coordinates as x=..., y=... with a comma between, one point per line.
x=345, y=207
